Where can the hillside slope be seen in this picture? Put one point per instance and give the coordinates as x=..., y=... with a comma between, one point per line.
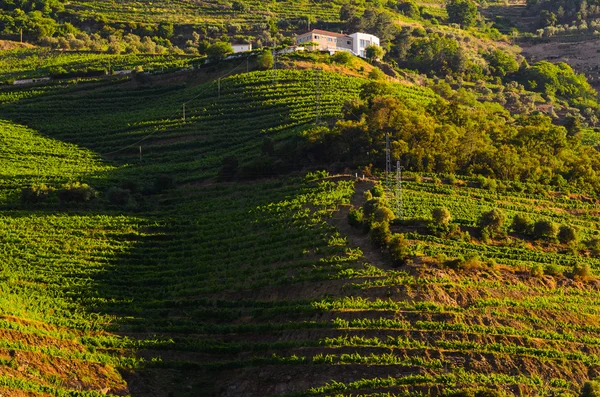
x=257, y=286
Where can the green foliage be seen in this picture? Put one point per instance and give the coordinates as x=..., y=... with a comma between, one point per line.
x=219, y=50
x=501, y=63
x=558, y=79
x=522, y=224
x=567, y=234
x=545, y=229
x=537, y=270
x=374, y=52
x=399, y=248
x=265, y=60
x=380, y=234
x=342, y=57
x=591, y=388
x=36, y=194
x=582, y=270
x=462, y=12
x=493, y=221
x=383, y=214
x=378, y=191
x=553, y=270
x=76, y=192
x=441, y=215
x=377, y=74
x=355, y=217
x=408, y=8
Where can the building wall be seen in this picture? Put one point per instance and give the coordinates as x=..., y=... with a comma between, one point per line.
x=361, y=41
x=326, y=42
x=241, y=48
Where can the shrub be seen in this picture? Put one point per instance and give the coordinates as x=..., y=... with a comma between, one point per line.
x=537, y=270
x=553, y=270
x=452, y=180
x=493, y=221
x=378, y=191
x=370, y=206
x=591, y=388
x=367, y=195
x=582, y=270
x=545, y=230
x=380, y=234
x=355, y=217
x=265, y=60
x=441, y=215
x=567, y=234
x=398, y=247
x=342, y=57
x=383, y=214
x=76, y=192
x=35, y=194
x=522, y=224
x=594, y=246
x=118, y=196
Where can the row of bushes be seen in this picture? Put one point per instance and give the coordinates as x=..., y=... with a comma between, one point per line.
x=76, y=192
x=374, y=217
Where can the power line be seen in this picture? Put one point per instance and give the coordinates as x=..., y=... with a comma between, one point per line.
x=174, y=114
x=388, y=162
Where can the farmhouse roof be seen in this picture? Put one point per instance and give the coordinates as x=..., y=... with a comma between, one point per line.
x=326, y=33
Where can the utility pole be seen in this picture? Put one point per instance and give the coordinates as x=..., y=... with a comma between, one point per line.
x=399, y=201
x=219, y=88
x=21, y=35
x=140, y=153
x=184, y=112
x=388, y=162
x=317, y=95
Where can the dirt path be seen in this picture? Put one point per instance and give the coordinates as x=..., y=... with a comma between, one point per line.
x=355, y=236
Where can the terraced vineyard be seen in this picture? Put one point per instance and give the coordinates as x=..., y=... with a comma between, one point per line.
x=259, y=288
x=33, y=63
x=206, y=12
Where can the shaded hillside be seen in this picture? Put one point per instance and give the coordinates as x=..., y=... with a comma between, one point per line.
x=190, y=285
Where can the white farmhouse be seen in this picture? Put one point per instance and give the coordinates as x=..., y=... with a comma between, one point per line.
x=241, y=48
x=355, y=43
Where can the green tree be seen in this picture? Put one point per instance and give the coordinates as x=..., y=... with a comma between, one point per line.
x=441, y=215
x=380, y=234
x=501, y=63
x=165, y=30
x=463, y=12
x=567, y=234
x=522, y=224
x=547, y=18
x=398, y=248
x=265, y=60
x=493, y=221
x=545, y=230
x=342, y=57
x=374, y=52
x=347, y=12
x=219, y=50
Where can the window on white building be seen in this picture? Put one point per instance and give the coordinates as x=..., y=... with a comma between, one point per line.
x=329, y=39
x=316, y=37
x=349, y=42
